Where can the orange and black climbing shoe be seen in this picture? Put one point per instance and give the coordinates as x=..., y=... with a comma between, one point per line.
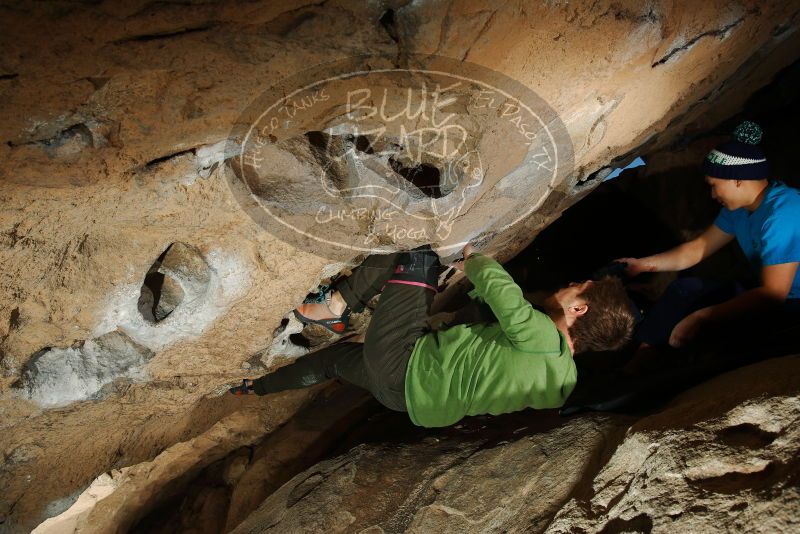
x=244, y=389
x=337, y=325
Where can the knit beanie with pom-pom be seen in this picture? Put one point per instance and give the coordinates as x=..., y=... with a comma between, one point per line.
x=740, y=158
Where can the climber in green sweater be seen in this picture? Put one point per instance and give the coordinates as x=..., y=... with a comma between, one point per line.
x=523, y=360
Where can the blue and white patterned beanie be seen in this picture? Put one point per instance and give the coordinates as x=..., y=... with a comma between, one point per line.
x=740, y=158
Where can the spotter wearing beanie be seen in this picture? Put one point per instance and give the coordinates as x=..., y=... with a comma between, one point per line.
x=740, y=158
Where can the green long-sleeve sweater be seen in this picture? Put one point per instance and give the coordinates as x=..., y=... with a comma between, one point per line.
x=521, y=361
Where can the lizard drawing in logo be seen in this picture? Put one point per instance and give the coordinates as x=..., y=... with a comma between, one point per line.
x=430, y=186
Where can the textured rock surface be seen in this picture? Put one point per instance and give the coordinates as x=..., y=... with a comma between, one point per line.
x=213, y=481
x=722, y=457
x=61, y=376
x=437, y=485
x=131, y=488
x=113, y=120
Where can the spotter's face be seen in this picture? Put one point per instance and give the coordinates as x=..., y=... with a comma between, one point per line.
x=725, y=192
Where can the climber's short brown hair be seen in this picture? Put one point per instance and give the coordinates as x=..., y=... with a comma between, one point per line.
x=608, y=323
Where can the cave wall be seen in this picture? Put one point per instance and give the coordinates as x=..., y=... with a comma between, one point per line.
x=114, y=120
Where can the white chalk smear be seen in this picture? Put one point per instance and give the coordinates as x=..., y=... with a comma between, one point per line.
x=229, y=279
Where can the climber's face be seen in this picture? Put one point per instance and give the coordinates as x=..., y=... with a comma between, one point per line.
x=572, y=293
x=570, y=300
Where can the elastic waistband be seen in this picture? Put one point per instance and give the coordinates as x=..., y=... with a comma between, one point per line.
x=410, y=283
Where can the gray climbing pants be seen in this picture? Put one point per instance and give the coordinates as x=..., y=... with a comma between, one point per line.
x=406, y=281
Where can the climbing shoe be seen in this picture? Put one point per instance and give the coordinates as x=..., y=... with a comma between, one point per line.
x=337, y=325
x=243, y=389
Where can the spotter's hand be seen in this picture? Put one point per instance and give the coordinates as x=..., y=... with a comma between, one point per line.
x=635, y=266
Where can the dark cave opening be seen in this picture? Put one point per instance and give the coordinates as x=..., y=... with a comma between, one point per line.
x=641, y=212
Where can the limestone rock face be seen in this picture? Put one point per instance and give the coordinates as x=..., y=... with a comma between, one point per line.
x=122, y=211
x=723, y=456
x=437, y=485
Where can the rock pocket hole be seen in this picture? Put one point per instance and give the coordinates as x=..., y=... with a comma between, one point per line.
x=641, y=523
x=747, y=435
x=361, y=143
x=300, y=340
x=389, y=24
x=318, y=140
x=736, y=482
x=424, y=176
x=180, y=274
x=588, y=182
x=160, y=295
